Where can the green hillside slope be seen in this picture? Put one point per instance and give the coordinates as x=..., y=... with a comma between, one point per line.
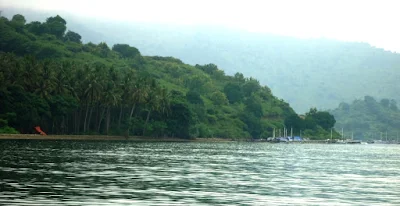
x=50, y=78
x=304, y=72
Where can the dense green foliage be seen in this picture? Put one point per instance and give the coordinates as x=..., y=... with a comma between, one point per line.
x=305, y=72
x=49, y=78
x=315, y=124
x=369, y=118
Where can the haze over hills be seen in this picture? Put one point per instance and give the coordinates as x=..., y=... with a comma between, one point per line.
x=368, y=118
x=304, y=72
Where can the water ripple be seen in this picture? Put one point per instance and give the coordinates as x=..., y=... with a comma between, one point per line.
x=126, y=173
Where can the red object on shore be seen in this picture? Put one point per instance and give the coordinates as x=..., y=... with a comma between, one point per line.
x=37, y=128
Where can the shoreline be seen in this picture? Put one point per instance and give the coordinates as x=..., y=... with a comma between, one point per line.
x=136, y=139
x=106, y=137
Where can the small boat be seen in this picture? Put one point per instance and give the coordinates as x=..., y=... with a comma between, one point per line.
x=353, y=142
x=340, y=142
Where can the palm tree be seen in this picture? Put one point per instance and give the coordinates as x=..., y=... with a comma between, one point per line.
x=124, y=88
x=63, y=78
x=92, y=93
x=165, y=97
x=152, y=104
x=46, y=81
x=30, y=73
x=112, y=96
x=138, y=95
x=158, y=101
x=77, y=84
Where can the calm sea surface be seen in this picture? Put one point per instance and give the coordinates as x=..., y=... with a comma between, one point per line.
x=130, y=173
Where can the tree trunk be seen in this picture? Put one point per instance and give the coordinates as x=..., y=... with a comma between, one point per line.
x=120, y=117
x=147, y=120
x=52, y=126
x=90, y=119
x=100, y=120
x=67, y=130
x=108, y=120
x=63, y=125
x=97, y=116
x=133, y=108
x=130, y=116
x=79, y=121
x=86, y=115
x=75, y=122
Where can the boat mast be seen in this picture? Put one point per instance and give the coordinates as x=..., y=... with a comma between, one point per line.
x=291, y=132
x=342, y=134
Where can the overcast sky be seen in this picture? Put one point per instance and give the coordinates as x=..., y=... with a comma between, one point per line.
x=372, y=21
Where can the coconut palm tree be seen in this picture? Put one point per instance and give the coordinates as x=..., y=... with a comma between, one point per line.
x=93, y=91
x=111, y=94
x=125, y=87
x=46, y=80
x=139, y=93
x=158, y=101
x=77, y=85
x=62, y=77
x=30, y=73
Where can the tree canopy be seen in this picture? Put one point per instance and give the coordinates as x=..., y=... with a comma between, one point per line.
x=316, y=72
x=50, y=78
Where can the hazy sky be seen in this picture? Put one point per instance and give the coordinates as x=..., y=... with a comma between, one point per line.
x=372, y=21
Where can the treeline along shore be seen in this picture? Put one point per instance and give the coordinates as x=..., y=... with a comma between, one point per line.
x=107, y=138
x=49, y=78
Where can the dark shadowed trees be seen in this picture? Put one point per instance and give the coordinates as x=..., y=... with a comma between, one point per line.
x=56, y=26
x=73, y=36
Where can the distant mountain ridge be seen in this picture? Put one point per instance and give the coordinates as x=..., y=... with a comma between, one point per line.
x=304, y=72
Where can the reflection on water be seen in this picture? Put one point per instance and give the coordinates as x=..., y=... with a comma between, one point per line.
x=118, y=173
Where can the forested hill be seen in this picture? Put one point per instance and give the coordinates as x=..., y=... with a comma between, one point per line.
x=369, y=118
x=305, y=72
x=51, y=79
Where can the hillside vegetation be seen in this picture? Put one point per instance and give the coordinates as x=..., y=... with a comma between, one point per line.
x=305, y=72
x=49, y=78
x=368, y=118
